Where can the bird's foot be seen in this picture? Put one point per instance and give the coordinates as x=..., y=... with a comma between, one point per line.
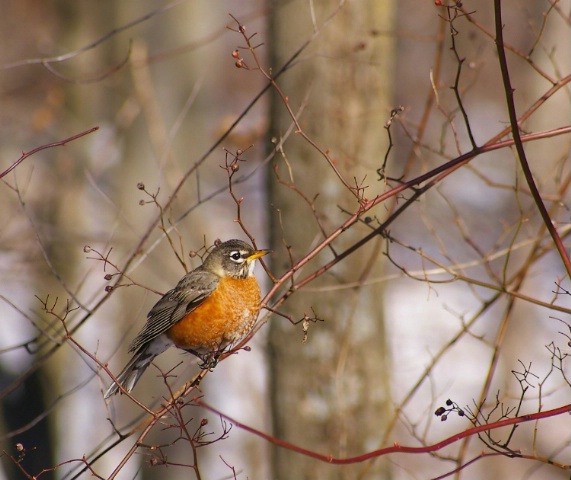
x=209, y=360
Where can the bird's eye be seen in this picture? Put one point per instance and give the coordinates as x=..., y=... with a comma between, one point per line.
x=235, y=256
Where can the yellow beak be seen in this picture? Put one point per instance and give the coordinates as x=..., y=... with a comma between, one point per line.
x=257, y=254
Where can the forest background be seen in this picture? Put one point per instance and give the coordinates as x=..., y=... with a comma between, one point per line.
x=406, y=161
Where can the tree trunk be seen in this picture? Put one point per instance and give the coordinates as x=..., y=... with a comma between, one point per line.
x=330, y=394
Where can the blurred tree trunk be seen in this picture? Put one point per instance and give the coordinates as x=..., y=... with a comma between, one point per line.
x=330, y=394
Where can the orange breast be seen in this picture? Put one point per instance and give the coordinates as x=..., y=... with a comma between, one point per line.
x=222, y=319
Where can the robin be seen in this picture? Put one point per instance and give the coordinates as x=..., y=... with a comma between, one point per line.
x=209, y=311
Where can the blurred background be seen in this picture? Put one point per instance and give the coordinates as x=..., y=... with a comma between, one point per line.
x=403, y=324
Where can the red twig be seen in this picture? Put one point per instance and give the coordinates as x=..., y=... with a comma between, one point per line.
x=61, y=143
x=396, y=448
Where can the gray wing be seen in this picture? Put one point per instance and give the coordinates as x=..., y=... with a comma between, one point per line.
x=190, y=292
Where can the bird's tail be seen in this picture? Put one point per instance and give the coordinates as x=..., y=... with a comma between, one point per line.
x=130, y=375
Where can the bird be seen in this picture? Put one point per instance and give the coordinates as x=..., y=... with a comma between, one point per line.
x=209, y=311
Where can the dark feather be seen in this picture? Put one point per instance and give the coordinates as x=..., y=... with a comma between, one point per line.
x=190, y=292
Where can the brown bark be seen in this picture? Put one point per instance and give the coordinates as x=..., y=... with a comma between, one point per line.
x=330, y=394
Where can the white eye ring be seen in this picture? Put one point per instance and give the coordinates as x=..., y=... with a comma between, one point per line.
x=235, y=256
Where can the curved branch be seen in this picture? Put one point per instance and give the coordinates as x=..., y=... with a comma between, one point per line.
x=396, y=448
x=509, y=91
